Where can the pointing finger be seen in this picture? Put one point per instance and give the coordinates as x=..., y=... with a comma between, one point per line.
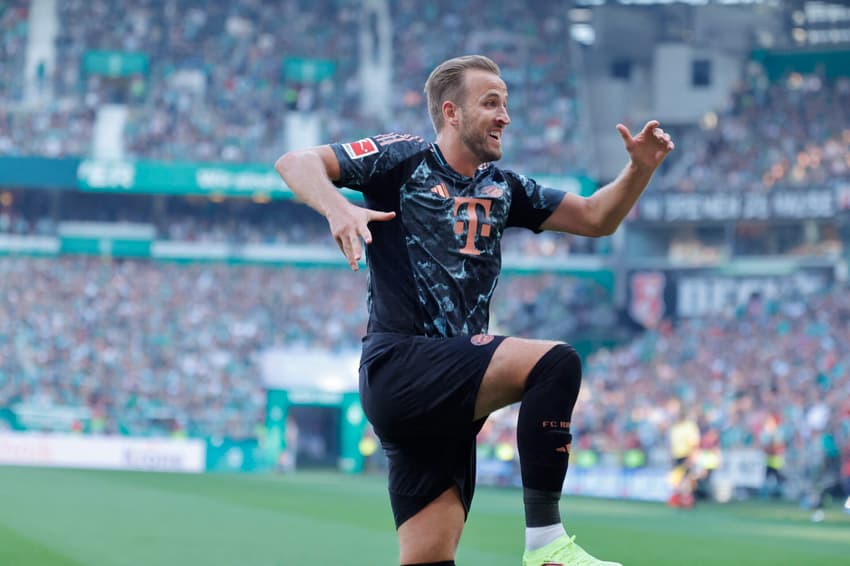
x=379, y=216
x=624, y=132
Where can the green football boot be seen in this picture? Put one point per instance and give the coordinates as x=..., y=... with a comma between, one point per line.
x=562, y=551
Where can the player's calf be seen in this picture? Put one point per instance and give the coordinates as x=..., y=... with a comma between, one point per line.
x=543, y=432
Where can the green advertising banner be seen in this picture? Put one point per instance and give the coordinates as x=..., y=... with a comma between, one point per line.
x=105, y=247
x=151, y=177
x=830, y=63
x=352, y=423
x=118, y=239
x=115, y=63
x=577, y=184
x=235, y=455
x=38, y=172
x=304, y=70
x=229, y=180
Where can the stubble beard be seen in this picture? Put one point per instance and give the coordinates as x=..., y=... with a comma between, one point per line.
x=477, y=142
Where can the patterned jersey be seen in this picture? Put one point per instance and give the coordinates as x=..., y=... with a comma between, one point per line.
x=433, y=268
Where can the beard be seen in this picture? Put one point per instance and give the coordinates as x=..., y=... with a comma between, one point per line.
x=478, y=143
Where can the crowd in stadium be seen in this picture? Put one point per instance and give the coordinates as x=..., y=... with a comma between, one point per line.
x=156, y=348
x=791, y=133
x=192, y=104
x=772, y=375
x=142, y=343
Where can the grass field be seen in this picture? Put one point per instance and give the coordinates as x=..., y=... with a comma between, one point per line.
x=94, y=518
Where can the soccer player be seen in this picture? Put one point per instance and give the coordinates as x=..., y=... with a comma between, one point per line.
x=430, y=374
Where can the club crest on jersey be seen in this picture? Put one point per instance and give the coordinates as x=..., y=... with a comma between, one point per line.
x=360, y=148
x=481, y=339
x=492, y=191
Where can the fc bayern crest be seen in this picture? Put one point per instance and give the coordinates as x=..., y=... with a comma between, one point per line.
x=646, y=305
x=481, y=339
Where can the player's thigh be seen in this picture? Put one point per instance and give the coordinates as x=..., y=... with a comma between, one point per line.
x=504, y=381
x=433, y=534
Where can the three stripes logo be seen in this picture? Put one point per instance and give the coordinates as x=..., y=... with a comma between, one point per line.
x=440, y=190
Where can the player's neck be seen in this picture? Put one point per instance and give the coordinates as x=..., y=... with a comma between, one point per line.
x=457, y=155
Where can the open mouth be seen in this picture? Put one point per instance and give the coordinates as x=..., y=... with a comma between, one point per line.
x=496, y=136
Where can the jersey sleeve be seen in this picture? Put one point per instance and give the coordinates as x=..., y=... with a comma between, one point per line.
x=531, y=203
x=378, y=164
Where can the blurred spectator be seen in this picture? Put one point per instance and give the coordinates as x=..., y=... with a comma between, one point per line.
x=774, y=377
x=215, y=89
x=794, y=133
x=163, y=348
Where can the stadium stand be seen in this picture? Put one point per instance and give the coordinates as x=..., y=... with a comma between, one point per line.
x=150, y=348
x=214, y=89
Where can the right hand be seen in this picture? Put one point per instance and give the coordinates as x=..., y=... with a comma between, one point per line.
x=349, y=224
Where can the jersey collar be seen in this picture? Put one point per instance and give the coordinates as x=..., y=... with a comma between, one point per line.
x=442, y=160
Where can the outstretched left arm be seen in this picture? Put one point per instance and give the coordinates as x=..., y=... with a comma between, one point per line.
x=601, y=213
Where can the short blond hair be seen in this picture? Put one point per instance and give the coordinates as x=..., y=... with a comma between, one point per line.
x=446, y=82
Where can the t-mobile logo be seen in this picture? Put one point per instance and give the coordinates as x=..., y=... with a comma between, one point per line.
x=469, y=225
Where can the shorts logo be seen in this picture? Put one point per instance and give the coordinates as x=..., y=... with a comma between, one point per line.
x=481, y=339
x=360, y=148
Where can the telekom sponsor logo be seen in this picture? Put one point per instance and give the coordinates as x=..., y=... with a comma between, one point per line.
x=472, y=225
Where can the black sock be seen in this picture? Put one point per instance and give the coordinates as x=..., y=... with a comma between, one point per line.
x=444, y=563
x=541, y=507
x=543, y=432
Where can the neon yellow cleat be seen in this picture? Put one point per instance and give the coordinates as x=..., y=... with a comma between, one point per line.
x=562, y=552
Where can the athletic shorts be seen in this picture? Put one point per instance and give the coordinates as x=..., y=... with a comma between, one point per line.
x=419, y=394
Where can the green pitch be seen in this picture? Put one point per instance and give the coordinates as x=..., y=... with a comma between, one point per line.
x=86, y=518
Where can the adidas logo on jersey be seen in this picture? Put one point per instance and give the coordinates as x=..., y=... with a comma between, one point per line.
x=440, y=190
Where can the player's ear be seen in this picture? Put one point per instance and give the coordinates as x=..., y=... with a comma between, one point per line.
x=450, y=112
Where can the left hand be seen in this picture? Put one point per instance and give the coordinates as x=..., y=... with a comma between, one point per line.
x=649, y=147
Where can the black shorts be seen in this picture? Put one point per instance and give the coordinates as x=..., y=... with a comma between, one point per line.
x=419, y=394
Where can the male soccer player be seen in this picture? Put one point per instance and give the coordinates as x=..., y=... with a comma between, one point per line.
x=430, y=373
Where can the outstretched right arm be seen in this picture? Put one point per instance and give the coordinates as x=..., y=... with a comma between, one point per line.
x=309, y=173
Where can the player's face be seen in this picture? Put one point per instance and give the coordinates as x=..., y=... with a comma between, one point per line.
x=484, y=115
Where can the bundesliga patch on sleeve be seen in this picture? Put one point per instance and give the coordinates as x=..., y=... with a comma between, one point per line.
x=360, y=148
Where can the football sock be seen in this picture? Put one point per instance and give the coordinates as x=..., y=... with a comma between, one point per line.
x=543, y=433
x=538, y=537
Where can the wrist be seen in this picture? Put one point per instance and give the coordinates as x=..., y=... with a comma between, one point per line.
x=638, y=169
x=334, y=205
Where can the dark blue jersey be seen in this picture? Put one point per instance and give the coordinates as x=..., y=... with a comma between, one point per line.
x=433, y=268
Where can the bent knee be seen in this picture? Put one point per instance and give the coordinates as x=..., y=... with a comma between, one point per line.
x=559, y=367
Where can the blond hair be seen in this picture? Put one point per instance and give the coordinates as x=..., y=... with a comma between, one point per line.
x=446, y=82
